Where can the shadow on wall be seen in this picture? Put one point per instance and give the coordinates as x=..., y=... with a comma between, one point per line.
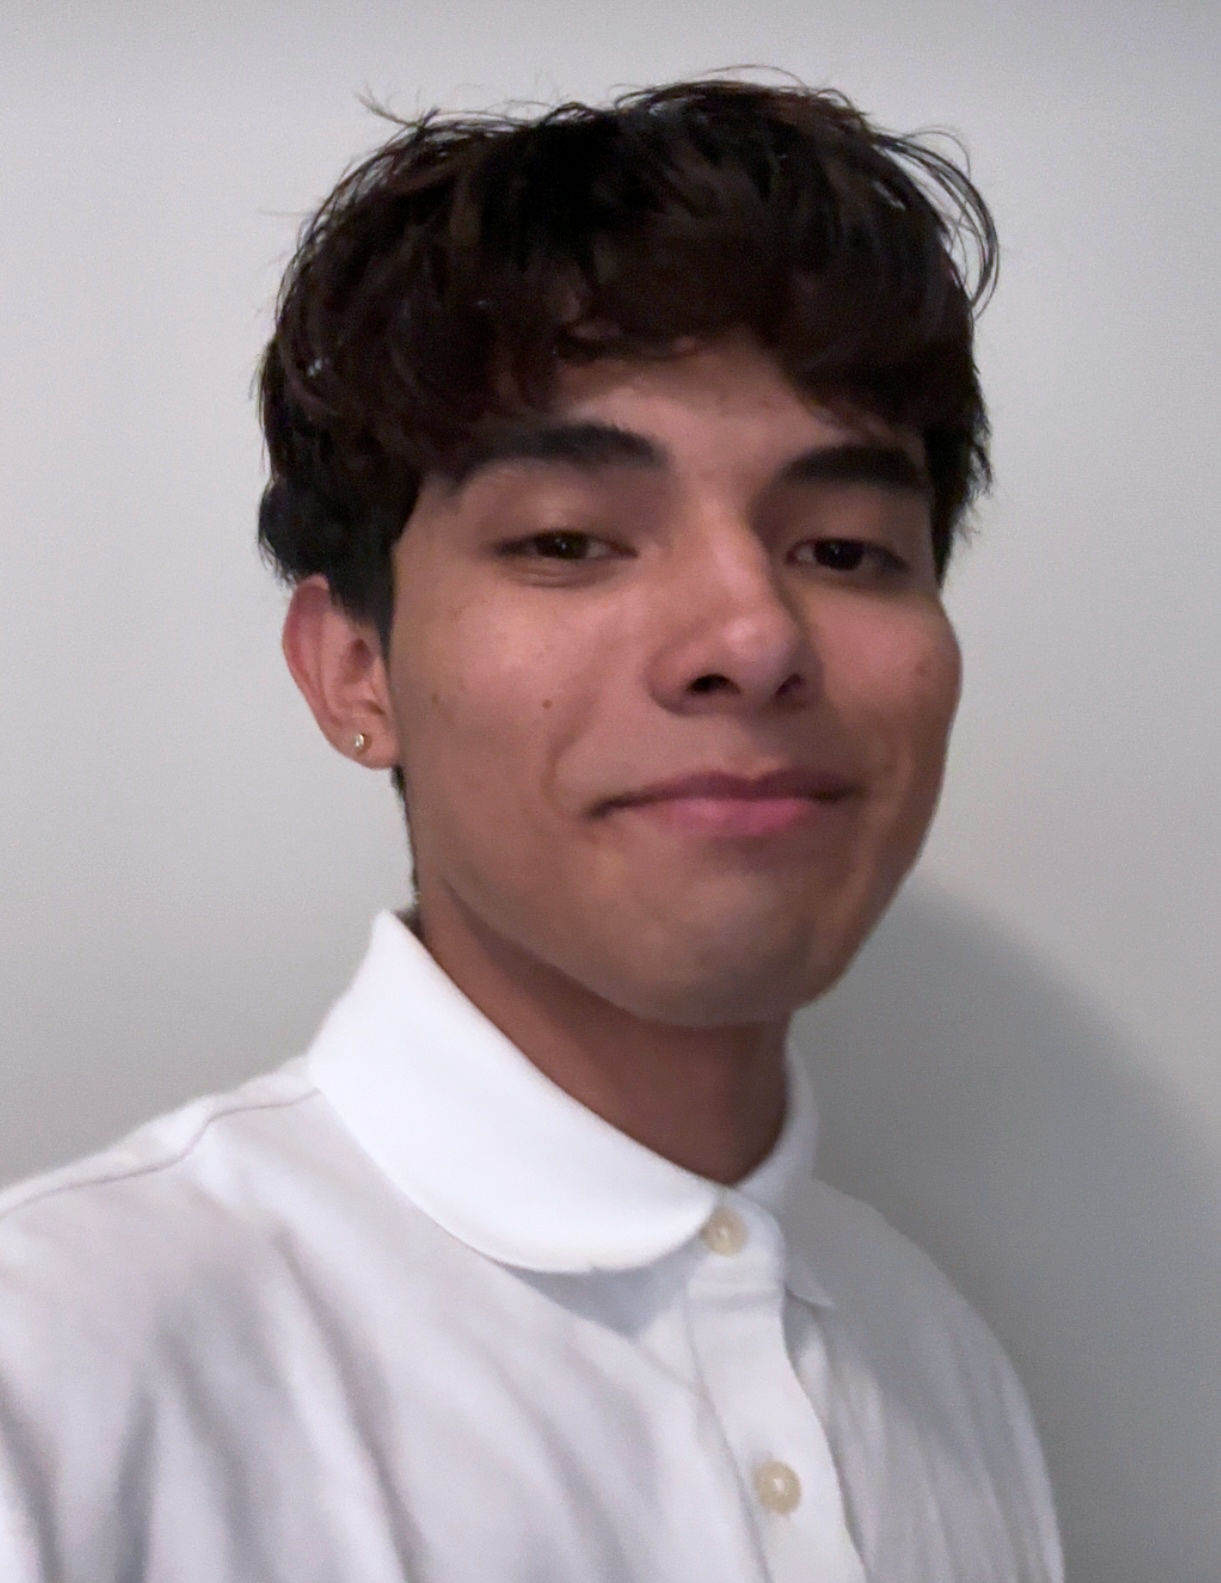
x=992, y=1113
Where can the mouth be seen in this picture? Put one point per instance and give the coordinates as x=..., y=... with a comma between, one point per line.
x=714, y=804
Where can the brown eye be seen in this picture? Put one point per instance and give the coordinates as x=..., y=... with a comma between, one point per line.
x=558, y=547
x=840, y=555
x=852, y=555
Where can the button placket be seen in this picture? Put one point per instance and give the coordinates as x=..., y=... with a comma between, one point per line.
x=771, y=1428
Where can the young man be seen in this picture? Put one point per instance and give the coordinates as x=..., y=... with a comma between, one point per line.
x=616, y=460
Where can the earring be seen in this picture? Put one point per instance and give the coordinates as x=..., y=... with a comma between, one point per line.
x=359, y=743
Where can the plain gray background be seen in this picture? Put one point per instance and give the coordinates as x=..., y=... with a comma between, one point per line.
x=1023, y=1070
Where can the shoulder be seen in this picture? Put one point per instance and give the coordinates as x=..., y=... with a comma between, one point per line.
x=158, y=1151
x=146, y=1296
x=885, y=1283
x=905, y=1337
x=85, y=1248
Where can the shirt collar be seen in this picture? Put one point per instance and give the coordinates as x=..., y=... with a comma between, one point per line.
x=500, y=1156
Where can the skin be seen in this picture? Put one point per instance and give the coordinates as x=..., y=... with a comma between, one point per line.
x=713, y=615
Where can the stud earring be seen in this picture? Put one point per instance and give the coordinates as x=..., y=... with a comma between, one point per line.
x=359, y=743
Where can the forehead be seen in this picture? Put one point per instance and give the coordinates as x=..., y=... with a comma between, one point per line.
x=725, y=415
x=731, y=390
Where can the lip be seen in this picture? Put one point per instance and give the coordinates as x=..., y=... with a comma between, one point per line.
x=786, y=783
x=713, y=803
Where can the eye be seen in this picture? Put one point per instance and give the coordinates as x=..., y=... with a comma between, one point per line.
x=851, y=555
x=559, y=546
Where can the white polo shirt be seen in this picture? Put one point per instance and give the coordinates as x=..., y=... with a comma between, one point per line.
x=404, y=1312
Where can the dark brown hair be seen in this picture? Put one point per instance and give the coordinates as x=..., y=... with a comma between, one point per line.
x=449, y=275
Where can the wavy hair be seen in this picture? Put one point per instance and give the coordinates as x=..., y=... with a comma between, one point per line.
x=449, y=275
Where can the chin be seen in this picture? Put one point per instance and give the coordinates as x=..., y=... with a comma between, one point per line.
x=709, y=980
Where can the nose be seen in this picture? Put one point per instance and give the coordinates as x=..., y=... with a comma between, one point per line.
x=730, y=636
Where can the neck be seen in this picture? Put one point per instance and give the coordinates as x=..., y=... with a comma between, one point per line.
x=709, y=1099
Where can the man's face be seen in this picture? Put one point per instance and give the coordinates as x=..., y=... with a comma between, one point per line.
x=684, y=568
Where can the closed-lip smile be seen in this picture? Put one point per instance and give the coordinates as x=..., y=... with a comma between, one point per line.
x=789, y=782
x=792, y=801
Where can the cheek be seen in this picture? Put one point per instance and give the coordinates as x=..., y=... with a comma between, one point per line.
x=481, y=702
x=900, y=677
x=936, y=676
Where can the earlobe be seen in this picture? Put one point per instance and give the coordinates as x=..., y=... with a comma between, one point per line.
x=336, y=661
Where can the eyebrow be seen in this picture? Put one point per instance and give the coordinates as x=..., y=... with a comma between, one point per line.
x=592, y=447
x=587, y=447
x=883, y=465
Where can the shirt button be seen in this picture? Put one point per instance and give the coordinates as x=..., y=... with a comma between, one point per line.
x=777, y=1486
x=724, y=1232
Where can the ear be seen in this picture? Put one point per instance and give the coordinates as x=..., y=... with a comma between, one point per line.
x=337, y=663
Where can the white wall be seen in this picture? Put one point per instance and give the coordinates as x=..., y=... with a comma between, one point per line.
x=1023, y=1070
